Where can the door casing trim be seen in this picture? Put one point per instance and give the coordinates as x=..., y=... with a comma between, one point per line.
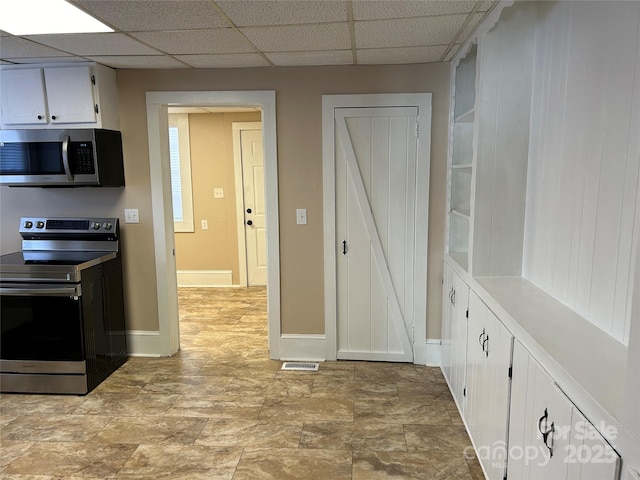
x=329, y=104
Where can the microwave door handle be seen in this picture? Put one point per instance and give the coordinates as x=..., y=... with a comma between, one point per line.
x=65, y=157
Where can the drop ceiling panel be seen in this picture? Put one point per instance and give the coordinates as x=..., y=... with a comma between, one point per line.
x=16, y=47
x=138, y=61
x=95, y=44
x=332, y=57
x=328, y=36
x=128, y=15
x=384, y=9
x=283, y=12
x=48, y=59
x=409, y=32
x=224, y=60
x=401, y=55
x=219, y=40
x=255, y=33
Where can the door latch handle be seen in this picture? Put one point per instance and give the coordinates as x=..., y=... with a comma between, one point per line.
x=344, y=247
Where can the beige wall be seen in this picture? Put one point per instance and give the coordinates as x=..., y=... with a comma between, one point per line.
x=299, y=108
x=212, y=166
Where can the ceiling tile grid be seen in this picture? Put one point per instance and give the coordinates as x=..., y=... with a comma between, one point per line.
x=258, y=33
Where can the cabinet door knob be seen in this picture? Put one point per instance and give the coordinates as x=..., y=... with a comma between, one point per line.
x=39, y=117
x=249, y=210
x=53, y=117
x=249, y=222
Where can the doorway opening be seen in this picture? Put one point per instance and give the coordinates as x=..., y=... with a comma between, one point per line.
x=217, y=186
x=158, y=104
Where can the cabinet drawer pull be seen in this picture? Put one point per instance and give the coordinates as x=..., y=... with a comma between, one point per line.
x=453, y=297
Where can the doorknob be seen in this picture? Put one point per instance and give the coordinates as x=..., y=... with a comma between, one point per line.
x=249, y=222
x=248, y=210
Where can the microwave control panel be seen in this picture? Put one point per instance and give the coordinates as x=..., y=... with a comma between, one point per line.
x=82, y=154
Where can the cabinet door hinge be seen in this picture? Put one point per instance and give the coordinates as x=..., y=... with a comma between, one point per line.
x=417, y=129
x=97, y=110
x=464, y=392
x=93, y=79
x=467, y=314
x=511, y=372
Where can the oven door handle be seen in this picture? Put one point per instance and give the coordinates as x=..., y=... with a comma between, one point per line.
x=65, y=157
x=21, y=290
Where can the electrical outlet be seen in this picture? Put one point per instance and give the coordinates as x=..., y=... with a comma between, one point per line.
x=205, y=225
x=218, y=193
x=131, y=215
x=301, y=216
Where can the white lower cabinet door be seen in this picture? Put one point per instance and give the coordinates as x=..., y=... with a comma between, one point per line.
x=540, y=423
x=476, y=383
x=589, y=456
x=459, y=338
x=447, y=313
x=454, y=333
x=498, y=351
x=489, y=348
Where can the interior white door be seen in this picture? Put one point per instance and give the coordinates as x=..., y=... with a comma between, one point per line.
x=254, y=206
x=375, y=155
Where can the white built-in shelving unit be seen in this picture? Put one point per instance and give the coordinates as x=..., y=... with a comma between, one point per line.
x=543, y=207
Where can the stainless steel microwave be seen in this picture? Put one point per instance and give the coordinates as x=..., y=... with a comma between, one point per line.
x=61, y=158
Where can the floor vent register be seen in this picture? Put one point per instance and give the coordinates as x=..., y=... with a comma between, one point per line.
x=305, y=366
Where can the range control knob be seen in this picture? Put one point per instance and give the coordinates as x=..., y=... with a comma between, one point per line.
x=107, y=226
x=39, y=224
x=28, y=224
x=96, y=225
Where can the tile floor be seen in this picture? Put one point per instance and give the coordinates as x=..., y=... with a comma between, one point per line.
x=220, y=409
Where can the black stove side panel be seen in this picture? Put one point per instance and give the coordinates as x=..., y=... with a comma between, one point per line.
x=103, y=318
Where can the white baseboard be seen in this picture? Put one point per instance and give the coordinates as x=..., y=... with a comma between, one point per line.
x=302, y=347
x=433, y=352
x=143, y=343
x=204, y=278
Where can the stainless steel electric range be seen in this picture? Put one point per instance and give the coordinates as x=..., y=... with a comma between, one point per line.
x=62, y=306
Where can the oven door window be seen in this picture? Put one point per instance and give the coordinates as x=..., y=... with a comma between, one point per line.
x=41, y=327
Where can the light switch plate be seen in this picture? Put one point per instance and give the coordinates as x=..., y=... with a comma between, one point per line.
x=205, y=225
x=131, y=215
x=218, y=193
x=301, y=216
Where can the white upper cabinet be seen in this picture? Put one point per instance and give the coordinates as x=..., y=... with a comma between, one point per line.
x=58, y=97
x=23, y=97
x=70, y=95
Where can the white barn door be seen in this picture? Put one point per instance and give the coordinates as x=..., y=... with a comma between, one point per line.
x=375, y=182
